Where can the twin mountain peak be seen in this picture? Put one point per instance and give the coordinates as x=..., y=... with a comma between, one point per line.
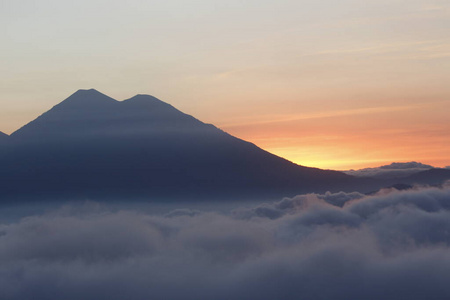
x=93, y=99
x=87, y=108
x=91, y=145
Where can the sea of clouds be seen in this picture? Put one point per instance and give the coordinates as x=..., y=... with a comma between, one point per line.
x=391, y=245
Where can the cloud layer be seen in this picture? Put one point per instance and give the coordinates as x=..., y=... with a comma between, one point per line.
x=392, y=245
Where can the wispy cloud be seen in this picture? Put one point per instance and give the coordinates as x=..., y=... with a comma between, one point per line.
x=322, y=115
x=380, y=48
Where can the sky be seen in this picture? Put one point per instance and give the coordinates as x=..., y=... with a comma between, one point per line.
x=331, y=84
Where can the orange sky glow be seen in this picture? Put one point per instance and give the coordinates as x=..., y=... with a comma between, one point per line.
x=356, y=138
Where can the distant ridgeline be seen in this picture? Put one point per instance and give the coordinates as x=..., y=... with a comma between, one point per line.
x=91, y=146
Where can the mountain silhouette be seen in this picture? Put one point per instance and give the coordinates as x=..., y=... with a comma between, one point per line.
x=91, y=145
x=4, y=140
x=391, y=171
x=434, y=176
x=3, y=137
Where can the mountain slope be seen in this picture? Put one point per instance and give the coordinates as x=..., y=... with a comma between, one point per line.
x=4, y=141
x=91, y=145
x=433, y=177
x=75, y=116
x=391, y=171
x=3, y=137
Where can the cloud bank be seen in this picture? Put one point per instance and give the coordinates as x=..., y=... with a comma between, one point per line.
x=392, y=245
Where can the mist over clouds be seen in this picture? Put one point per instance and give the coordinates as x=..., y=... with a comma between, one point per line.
x=392, y=245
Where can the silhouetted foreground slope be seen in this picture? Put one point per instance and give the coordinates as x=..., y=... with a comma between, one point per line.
x=3, y=137
x=91, y=145
x=4, y=140
x=405, y=173
x=431, y=177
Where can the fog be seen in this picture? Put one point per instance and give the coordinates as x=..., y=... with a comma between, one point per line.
x=391, y=245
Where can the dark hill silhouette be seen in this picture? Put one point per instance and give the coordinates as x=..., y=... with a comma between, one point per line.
x=398, y=174
x=434, y=176
x=91, y=145
x=391, y=171
x=3, y=137
x=4, y=140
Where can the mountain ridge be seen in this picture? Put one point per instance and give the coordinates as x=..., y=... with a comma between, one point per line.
x=393, y=170
x=435, y=176
x=91, y=145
